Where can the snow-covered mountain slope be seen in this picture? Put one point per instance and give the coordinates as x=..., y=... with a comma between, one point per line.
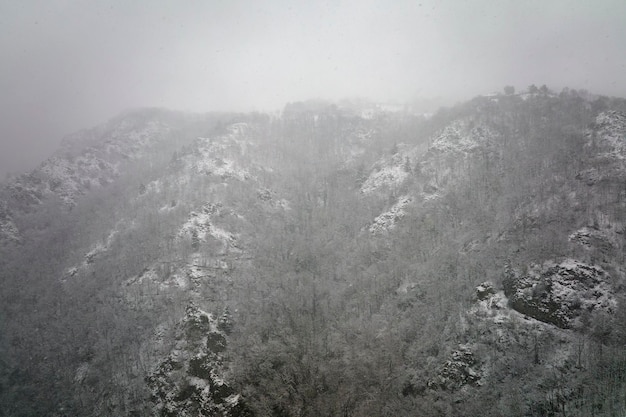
x=93, y=158
x=321, y=262
x=191, y=222
x=87, y=159
x=431, y=173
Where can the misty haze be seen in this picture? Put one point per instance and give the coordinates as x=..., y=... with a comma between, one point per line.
x=286, y=209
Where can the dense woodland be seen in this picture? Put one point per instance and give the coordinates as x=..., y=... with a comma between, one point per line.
x=325, y=317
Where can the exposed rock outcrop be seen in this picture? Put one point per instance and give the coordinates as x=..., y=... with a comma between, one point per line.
x=606, y=141
x=449, y=152
x=191, y=380
x=8, y=230
x=200, y=227
x=592, y=237
x=560, y=293
x=387, y=220
x=485, y=291
x=460, y=370
x=390, y=172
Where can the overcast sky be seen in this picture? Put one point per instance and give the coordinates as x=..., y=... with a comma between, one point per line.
x=65, y=64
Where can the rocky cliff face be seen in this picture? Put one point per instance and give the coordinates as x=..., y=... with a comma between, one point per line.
x=606, y=141
x=460, y=371
x=562, y=294
x=193, y=379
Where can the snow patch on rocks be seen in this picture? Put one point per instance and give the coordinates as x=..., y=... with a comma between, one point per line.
x=606, y=140
x=192, y=379
x=589, y=237
x=610, y=134
x=100, y=248
x=388, y=220
x=462, y=137
x=219, y=155
x=462, y=369
x=96, y=251
x=390, y=172
x=387, y=176
x=201, y=227
x=561, y=293
x=448, y=154
x=499, y=332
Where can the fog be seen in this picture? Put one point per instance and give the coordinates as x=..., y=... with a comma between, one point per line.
x=72, y=64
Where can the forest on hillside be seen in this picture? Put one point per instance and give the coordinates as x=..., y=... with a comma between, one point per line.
x=327, y=292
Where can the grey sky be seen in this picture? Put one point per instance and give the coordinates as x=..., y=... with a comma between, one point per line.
x=69, y=64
